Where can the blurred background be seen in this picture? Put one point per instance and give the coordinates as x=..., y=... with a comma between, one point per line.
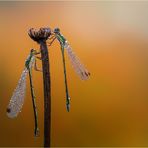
x=110, y=38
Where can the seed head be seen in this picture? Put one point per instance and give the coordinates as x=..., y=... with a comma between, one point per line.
x=39, y=35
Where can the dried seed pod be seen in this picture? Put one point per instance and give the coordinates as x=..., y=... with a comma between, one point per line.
x=39, y=35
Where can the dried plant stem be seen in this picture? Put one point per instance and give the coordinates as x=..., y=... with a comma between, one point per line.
x=40, y=36
x=47, y=93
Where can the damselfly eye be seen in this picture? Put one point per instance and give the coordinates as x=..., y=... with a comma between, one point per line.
x=32, y=50
x=56, y=30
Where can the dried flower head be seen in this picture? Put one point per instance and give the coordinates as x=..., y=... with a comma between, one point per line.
x=39, y=35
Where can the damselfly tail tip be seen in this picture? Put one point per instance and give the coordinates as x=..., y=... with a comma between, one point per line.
x=68, y=107
x=68, y=104
x=37, y=133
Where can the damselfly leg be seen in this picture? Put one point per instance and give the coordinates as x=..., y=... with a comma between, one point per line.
x=35, y=66
x=49, y=44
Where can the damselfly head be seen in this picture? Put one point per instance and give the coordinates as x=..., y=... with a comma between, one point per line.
x=33, y=51
x=56, y=30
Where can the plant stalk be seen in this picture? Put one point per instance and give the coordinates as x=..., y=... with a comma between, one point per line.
x=47, y=93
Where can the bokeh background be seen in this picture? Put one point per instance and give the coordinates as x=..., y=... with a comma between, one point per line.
x=110, y=38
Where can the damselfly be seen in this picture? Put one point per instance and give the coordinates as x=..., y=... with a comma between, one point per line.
x=17, y=99
x=77, y=65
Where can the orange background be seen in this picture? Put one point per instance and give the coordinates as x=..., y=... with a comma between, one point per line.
x=110, y=38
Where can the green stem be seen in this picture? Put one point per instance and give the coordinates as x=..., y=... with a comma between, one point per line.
x=36, y=130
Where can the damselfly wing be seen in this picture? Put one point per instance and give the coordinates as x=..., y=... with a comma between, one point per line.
x=17, y=99
x=76, y=64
